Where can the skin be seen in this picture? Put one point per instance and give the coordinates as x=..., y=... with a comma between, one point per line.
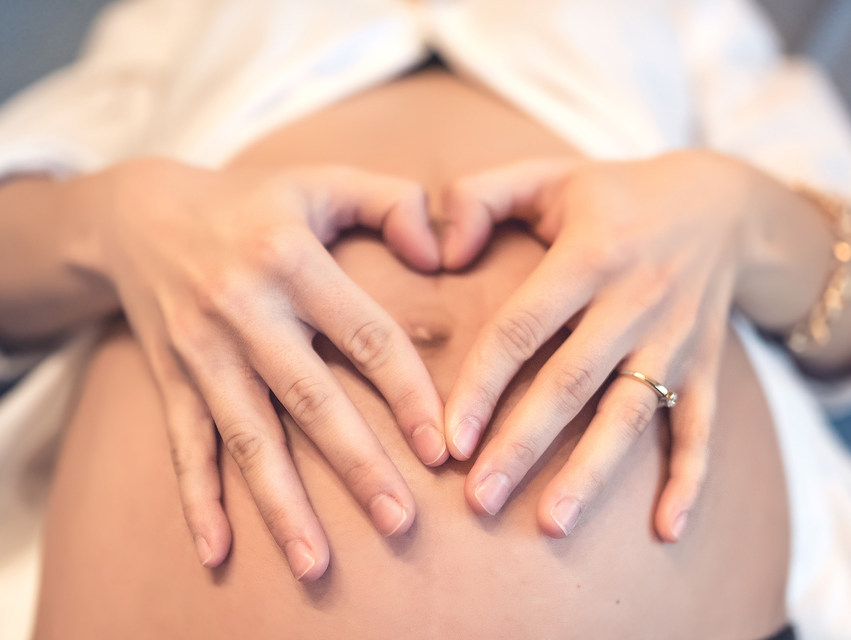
x=653, y=254
x=217, y=312
x=119, y=561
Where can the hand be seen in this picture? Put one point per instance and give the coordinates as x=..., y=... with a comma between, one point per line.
x=649, y=252
x=225, y=281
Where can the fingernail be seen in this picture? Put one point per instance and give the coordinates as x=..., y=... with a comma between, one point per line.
x=492, y=492
x=205, y=553
x=565, y=514
x=387, y=514
x=679, y=525
x=429, y=444
x=300, y=558
x=466, y=436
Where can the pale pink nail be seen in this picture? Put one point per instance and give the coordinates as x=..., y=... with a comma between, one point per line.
x=492, y=492
x=565, y=514
x=205, y=553
x=466, y=436
x=300, y=558
x=679, y=525
x=387, y=514
x=429, y=443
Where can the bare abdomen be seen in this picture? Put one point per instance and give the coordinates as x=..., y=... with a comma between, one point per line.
x=120, y=561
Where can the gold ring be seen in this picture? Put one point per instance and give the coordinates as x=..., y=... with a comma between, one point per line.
x=666, y=398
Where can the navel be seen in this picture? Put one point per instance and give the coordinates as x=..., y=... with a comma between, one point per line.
x=428, y=335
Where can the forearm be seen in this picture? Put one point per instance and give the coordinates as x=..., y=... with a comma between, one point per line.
x=47, y=236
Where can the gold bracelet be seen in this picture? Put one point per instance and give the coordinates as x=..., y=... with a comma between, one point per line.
x=815, y=329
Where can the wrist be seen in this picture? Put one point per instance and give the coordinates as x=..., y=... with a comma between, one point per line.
x=786, y=255
x=85, y=202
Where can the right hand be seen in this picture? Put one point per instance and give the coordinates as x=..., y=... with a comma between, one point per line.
x=225, y=281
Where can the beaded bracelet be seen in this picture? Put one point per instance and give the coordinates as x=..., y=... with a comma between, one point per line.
x=815, y=329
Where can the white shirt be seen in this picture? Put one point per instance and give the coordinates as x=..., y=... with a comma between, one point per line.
x=198, y=80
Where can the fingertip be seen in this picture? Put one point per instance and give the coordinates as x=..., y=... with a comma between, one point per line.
x=205, y=552
x=460, y=247
x=546, y=522
x=390, y=516
x=417, y=246
x=464, y=437
x=679, y=525
x=488, y=494
x=307, y=563
x=562, y=518
x=407, y=230
x=449, y=246
x=466, y=228
x=672, y=515
x=671, y=528
x=213, y=541
x=430, y=445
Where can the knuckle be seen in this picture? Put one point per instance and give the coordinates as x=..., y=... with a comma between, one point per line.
x=279, y=520
x=360, y=473
x=307, y=399
x=369, y=346
x=595, y=482
x=695, y=441
x=285, y=254
x=520, y=334
x=607, y=258
x=634, y=416
x=221, y=294
x=657, y=287
x=485, y=396
x=573, y=386
x=181, y=462
x=187, y=336
x=686, y=318
x=245, y=445
x=524, y=452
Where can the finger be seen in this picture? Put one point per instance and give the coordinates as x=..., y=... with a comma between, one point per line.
x=319, y=405
x=342, y=197
x=255, y=439
x=691, y=422
x=559, y=391
x=560, y=286
x=688, y=459
x=367, y=335
x=194, y=454
x=473, y=205
x=624, y=412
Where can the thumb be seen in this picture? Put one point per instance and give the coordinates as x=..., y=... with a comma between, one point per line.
x=339, y=198
x=474, y=204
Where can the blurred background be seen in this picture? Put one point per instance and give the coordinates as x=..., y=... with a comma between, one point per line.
x=37, y=36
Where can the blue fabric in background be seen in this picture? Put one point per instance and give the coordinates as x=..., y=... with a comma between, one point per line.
x=843, y=427
x=38, y=36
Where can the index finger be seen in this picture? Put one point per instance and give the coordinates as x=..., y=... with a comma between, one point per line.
x=557, y=289
x=369, y=337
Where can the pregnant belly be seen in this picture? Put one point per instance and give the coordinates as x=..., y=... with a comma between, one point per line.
x=461, y=576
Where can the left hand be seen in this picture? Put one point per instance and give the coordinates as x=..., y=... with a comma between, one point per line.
x=650, y=251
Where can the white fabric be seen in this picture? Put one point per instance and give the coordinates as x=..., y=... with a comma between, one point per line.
x=198, y=80
x=818, y=479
